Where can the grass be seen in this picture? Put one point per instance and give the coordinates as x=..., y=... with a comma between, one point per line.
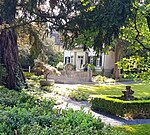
x=141, y=129
x=140, y=90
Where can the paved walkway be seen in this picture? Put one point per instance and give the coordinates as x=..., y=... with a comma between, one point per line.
x=65, y=102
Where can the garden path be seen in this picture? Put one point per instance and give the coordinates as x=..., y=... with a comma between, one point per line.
x=64, y=102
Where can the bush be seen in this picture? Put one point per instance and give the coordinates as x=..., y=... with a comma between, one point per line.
x=23, y=114
x=55, y=58
x=100, y=79
x=78, y=95
x=28, y=75
x=104, y=79
x=60, y=66
x=115, y=106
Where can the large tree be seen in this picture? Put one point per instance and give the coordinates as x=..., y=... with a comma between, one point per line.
x=15, y=13
x=74, y=18
x=137, y=34
x=100, y=26
x=125, y=21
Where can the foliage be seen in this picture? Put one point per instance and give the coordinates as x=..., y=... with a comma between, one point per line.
x=28, y=75
x=26, y=114
x=113, y=105
x=100, y=25
x=78, y=95
x=103, y=79
x=100, y=79
x=134, y=129
x=92, y=67
x=112, y=131
x=77, y=122
x=33, y=43
x=48, y=88
x=42, y=68
x=124, y=78
x=60, y=66
x=137, y=34
x=24, y=47
x=55, y=58
x=136, y=66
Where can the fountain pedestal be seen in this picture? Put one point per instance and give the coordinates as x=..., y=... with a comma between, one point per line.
x=127, y=94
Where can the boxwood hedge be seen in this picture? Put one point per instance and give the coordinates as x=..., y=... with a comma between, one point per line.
x=113, y=105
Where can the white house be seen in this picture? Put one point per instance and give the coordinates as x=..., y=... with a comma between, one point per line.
x=78, y=57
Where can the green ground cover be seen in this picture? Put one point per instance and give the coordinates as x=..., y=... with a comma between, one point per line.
x=24, y=114
x=140, y=90
x=141, y=129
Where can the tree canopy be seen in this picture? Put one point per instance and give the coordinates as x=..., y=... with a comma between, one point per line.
x=137, y=33
x=94, y=23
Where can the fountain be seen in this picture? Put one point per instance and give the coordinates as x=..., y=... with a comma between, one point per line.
x=128, y=94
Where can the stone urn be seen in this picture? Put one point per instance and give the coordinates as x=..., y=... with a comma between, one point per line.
x=46, y=82
x=128, y=94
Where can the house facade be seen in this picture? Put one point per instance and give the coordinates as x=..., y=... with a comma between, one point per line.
x=102, y=63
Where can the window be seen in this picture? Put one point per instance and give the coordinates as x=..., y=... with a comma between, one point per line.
x=99, y=61
x=89, y=59
x=80, y=60
x=94, y=61
x=67, y=60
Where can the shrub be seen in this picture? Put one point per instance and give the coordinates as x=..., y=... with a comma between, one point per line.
x=27, y=115
x=77, y=122
x=78, y=95
x=114, y=106
x=104, y=79
x=28, y=75
x=100, y=78
x=41, y=68
x=60, y=66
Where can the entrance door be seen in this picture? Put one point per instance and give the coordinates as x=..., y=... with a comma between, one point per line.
x=79, y=62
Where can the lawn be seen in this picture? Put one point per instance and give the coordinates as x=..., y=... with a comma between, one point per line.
x=141, y=89
x=143, y=129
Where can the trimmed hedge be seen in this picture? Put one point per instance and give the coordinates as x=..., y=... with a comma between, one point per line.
x=113, y=105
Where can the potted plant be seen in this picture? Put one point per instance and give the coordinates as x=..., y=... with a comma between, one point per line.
x=46, y=82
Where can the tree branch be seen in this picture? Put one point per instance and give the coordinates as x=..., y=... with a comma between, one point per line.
x=138, y=34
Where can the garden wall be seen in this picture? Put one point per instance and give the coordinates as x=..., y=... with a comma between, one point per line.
x=72, y=77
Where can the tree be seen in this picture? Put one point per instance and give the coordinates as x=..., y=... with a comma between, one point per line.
x=125, y=21
x=8, y=46
x=71, y=17
x=100, y=26
x=15, y=13
x=137, y=33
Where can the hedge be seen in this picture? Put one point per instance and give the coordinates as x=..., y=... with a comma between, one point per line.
x=113, y=105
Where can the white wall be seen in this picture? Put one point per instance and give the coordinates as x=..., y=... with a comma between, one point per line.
x=109, y=60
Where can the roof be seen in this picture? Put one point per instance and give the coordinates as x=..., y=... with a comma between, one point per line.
x=57, y=38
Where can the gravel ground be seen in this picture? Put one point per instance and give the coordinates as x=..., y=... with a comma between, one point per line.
x=64, y=102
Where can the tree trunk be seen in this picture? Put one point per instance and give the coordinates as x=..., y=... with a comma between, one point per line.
x=116, y=71
x=9, y=58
